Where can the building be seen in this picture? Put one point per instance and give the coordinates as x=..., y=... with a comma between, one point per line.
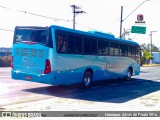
x=156, y=56
x=5, y=51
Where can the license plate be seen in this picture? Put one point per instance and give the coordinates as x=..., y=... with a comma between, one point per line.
x=28, y=78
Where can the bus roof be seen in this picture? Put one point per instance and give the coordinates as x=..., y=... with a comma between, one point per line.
x=89, y=33
x=95, y=34
x=30, y=27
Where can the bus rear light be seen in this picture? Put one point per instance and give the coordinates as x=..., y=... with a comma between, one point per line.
x=47, y=67
x=12, y=62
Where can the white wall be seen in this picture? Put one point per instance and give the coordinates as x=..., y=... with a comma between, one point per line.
x=156, y=56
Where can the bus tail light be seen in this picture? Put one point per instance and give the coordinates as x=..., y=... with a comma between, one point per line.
x=12, y=62
x=47, y=67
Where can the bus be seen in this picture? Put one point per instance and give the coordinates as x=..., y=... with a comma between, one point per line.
x=62, y=56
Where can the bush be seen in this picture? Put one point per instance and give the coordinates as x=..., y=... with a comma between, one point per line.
x=5, y=61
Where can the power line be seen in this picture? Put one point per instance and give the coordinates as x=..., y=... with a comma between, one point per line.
x=26, y=12
x=35, y=14
x=55, y=19
x=76, y=12
x=4, y=7
x=6, y=30
x=86, y=27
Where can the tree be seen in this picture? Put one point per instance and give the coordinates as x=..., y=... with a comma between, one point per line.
x=155, y=49
x=143, y=46
x=148, y=47
x=146, y=52
x=146, y=56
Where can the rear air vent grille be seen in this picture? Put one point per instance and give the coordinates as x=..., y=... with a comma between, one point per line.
x=29, y=52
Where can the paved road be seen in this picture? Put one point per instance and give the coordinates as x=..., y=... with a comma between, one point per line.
x=110, y=92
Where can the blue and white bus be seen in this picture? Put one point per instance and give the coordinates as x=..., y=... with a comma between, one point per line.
x=62, y=56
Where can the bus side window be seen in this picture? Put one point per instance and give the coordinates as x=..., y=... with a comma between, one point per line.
x=103, y=47
x=71, y=44
x=100, y=47
x=123, y=50
x=100, y=52
x=78, y=45
x=129, y=50
x=93, y=46
x=112, y=48
x=134, y=52
x=59, y=42
x=64, y=45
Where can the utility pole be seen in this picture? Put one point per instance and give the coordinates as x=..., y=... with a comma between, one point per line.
x=121, y=20
x=76, y=11
x=151, y=46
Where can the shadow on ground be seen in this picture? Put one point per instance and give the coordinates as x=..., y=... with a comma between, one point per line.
x=114, y=91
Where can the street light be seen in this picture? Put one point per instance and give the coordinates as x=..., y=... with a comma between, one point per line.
x=121, y=20
x=151, y=46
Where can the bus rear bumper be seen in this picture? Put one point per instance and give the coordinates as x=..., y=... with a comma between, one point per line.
x=43, y=78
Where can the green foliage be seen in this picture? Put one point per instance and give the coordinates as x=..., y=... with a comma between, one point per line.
x=146, y=55
x=155, y=49
x=148, y=47
x=146, y=52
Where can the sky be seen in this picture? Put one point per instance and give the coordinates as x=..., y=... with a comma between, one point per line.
x=101, y=15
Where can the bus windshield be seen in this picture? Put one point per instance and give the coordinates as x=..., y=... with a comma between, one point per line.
x=30, y=35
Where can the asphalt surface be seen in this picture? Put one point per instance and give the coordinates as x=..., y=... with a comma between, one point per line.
x=109, y=92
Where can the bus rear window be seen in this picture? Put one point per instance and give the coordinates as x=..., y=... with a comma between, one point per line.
x=31, y=35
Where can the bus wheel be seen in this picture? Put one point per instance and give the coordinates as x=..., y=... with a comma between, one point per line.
x=87, y=79
x=129, y=74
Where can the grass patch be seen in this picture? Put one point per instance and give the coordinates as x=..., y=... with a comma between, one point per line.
x=148, y=65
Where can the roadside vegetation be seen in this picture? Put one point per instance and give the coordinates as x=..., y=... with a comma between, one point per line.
x=146, y=55
x=5, y=61
x=148, y=65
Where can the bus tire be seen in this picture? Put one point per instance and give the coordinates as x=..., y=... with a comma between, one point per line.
x=129, y=74
x=87, y=79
